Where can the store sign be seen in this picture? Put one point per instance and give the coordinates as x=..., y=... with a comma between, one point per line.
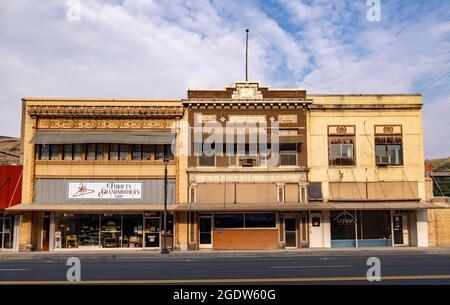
x=105, y=190
x=345, y=219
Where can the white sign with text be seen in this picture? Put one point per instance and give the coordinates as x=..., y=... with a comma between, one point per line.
x=105, y=190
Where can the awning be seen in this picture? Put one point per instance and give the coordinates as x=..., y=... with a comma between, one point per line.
x=291, y=139
x=87, y=208
x=92, y=136
x=206, y=207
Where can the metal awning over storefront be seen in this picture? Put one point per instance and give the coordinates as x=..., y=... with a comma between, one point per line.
x=130, y=208
x=96, y=136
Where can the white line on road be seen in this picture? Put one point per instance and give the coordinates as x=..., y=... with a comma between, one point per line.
x=299, y=267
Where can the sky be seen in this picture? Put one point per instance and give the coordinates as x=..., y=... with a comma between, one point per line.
x=152, y=49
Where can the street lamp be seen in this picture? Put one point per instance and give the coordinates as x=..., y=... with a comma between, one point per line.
x=164, y=249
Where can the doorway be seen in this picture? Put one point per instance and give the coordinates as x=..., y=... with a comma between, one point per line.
x=400, y=229
x=205, y=227
x=316, y=230
x=290, y=232
x=152, y=232
x=45, y=232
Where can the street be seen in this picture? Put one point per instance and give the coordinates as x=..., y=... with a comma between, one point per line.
x=137, y=268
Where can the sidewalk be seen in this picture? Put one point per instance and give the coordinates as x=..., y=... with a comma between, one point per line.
x=118, y=253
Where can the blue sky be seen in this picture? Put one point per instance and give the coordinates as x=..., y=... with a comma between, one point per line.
x=144, y=48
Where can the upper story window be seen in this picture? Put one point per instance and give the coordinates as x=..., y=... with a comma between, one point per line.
x=48, y=152
x=72, y=151
x=95, y=151
x=288, y=154
x=341, y=145
x=388, y=145
x=100, y=151
x=315, y=191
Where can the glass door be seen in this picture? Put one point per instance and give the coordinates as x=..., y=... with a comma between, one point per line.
x=152, y=232
x=290, y=231
x=205, y=227
x=400, y=228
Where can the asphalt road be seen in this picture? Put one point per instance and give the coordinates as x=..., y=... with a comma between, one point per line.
x=196, y=269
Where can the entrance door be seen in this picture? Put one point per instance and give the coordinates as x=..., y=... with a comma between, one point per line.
x=400, y=227
x=205, y=227
x=290, y=232
x=46, y=233
x=152, y=232
x=316, y=230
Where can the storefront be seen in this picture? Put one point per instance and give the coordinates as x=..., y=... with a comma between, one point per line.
x=361, y=228
x=238, y=231
x=103, y=231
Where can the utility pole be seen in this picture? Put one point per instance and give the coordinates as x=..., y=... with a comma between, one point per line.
x=164, y=249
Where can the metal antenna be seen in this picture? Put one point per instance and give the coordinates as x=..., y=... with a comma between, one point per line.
x=246, y=56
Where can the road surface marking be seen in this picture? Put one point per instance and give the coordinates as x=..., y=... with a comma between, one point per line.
x=292, y=267
x=206, y=281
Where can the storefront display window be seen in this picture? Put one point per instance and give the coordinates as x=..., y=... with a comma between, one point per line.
x=6, y=231
x=100, y=230
x=360, y=228
x=111, y=231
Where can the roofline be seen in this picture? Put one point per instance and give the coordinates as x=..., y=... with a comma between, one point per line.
x=365, y=94
x=65, y=99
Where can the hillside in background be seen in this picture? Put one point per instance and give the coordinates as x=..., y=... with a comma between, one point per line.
x=9, y=150
x=441, y=164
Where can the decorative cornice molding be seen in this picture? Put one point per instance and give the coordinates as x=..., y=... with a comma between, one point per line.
x=106, y=111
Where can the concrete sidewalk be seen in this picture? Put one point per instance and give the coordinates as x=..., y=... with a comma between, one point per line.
x=139, y=253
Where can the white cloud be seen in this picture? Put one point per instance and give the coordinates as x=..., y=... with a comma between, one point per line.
x=149, y=48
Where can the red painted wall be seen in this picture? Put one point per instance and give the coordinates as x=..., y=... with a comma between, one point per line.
x=10, y=180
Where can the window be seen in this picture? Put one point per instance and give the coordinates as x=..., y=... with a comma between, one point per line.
x=389, y=150
x=136, y=152
x=288, y=154
x=123, y=152
x=77, y=151
x=247, y=220
x=99, y=151
x=90, y=152
x=280, y=193
x=302, y=194
x=44, y=152
x=54, y=152
x=118, y=152
x=388, y=145
x=192, y=195
x=113, y=151
x=68, y=152
x=168, y=154
x=146, y=152
x=260, y=220
x=208, y=158
x=95, y=151
x=159, y=152
x=315, y=190
x=226, y=221
x=341, y=150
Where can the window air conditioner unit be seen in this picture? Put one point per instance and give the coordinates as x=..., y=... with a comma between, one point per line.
x=383, y=160
x=248, y=162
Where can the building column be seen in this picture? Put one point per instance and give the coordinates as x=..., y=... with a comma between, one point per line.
x=422, y=228
x=25, y=232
